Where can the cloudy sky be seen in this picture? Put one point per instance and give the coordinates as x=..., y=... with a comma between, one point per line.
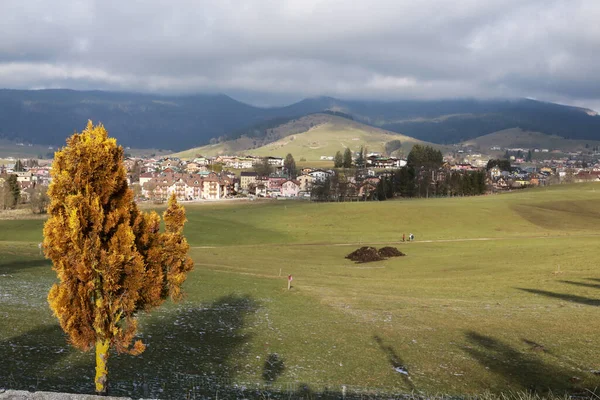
x=282, y=50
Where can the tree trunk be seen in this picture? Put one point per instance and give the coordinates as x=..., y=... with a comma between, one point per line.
x=101, y=366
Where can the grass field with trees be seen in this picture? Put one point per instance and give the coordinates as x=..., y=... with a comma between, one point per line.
x=498, y=293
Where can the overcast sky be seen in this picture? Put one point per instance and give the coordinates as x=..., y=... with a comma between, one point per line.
x=283, y=50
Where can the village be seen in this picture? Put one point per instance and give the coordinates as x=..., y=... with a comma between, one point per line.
x=230, y=177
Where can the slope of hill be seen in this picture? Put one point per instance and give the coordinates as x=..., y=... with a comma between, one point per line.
x=308, y=137
x=47, y=117
x=453, y=121
x=511, y=138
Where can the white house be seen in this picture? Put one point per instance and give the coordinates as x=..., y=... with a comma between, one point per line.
x=319, y=175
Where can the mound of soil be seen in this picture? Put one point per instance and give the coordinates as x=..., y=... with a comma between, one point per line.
x=365, y=254
x=390, y=252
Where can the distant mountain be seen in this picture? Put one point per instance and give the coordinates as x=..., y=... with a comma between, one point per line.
x=518, y=138
x=136, y=120
x=453, y=121
x=178, y=122
x=309, y=138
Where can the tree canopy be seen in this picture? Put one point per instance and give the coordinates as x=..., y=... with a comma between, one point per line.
x=338, y=160
x=111, y=259
x=289, y=164
x=263, y=168
x=503, y=164
x=424, y=157
x=347, y=158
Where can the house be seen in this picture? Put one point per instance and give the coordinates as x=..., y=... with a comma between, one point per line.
x=261, y=190
x=290, y=188
x=146, y=177
x=319, y=175
x=192, y=167
x=275, y=182
x=201, y=161
x=376, y=161
x=247, y=179
x=495, y=172
x=169, y=163
x=276, y=161
x=186, y=186
x=26, y=180
x=587, y=176
x=306, y=182
x=502, y=184
x=213, y=188
x=366, y=189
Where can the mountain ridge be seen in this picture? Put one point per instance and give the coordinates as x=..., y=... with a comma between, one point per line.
x=47, y=117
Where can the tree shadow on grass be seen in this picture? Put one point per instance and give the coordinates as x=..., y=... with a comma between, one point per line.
x=566, y=297
x=25, y=359
x=191, y=342
x=583, y=284
x=395, y=361
x=181, y=345
x=523, y=371
x=16, y=266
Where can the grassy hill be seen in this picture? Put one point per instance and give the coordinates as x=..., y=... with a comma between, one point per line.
x=517, y=137
x=498, y=293
x=309, y=137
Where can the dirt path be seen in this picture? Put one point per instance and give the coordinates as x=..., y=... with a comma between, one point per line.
x=482, y=239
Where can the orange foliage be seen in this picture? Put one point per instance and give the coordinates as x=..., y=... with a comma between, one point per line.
x=110, y=258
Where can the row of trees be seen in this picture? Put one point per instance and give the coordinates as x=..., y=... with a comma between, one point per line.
x=264, y=168
x=11, y=196
x=346, y=160
x=421, y=177
x=404, y=183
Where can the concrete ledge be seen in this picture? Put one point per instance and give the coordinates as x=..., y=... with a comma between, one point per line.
x=25, y=395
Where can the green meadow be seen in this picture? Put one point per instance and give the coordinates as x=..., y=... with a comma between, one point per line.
x=496, y=294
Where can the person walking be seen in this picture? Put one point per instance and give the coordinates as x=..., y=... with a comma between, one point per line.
x=404, y=237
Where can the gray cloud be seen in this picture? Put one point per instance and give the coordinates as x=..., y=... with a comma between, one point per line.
x=382, y=49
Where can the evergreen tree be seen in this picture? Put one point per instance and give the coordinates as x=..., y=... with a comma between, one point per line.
x=338, y=160
x=380, y=190
x=321, y=191
x=111, y=259
x=19, y=166
x=504, y=165
x=361, y=159
x=529, y=156
x=389, y=188
x=347, y=158
x=289, y=164
x=136, y=171
x=14, y=191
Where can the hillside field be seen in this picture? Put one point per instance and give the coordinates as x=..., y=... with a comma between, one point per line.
x=327, y=139
x=309, y=138
x=498, y=293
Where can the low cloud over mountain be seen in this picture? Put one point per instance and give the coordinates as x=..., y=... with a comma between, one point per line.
x=286, y=50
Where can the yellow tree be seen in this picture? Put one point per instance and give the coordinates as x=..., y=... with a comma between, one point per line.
x=111, y=259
